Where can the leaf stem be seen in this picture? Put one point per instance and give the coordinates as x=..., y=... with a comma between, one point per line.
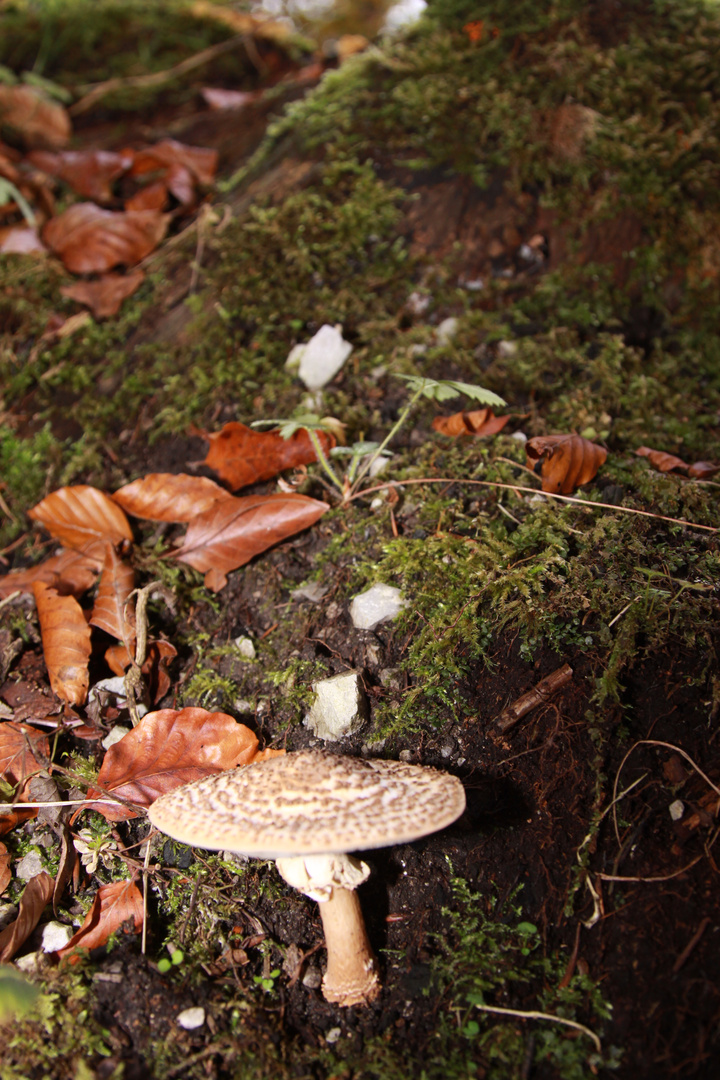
x=337, y=482
x=363, y=471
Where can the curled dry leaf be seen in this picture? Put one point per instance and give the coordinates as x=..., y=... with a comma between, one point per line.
x=5, y=872
x=159, y=656
x=151, y=197
x=118, y=906
x=70, y=573
x=219, y=99
x=701, y=470
x=241, y=456
x=88, y=172
x=660, y=460
x=567, y=461
x=197, y=160
x=234, y=530
x=477, y=422
x=110, y=612
x=24, y=751
x=84, y=518
x=37, y=120
x=20, y=240
x=91, y=240
x=36, y=897
x=66, y=643
x=169, y=748
x=168, y=497
x=105, y=296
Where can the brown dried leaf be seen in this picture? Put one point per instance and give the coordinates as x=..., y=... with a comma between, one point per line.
x=660, y=460
x=36, y=119
x=219, y=99
x=701, y=470
x=568, y=461
x=84, y=518
x=66, y=643
x=91, y=240
x=105, y=296
x=152, y=197
x=5, y=872
x=169, y=497
x=70, y=573
x=37, y=895
x=159, y=656
x=114, y=906
x=29, y=702
x=169, y=748
x=20, y=240
x=199, y=161
x=110, y=611
x=234, y=530
x=88, y=172
x=19, y=745
x=241, y=456
x=479, y=422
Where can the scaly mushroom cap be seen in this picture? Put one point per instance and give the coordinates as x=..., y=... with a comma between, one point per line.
x=310, y=803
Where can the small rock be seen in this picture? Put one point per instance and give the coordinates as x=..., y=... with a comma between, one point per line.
x=313, y=592
x=677, y=809
x=8, y=914
x=376, y=747
x=417, y=303
x=377, y=502
x=340, y=707
x=312, y=979
x=294, y=357
x=376, y=605
x=191, y=1018
x=322, y=357
x=506, y=349
x=446, y=331
x=115, y=734
x=333, y=611
x=43, y=789
x=406, y=755
x=245, y=647
x=29, y=964
x=55, y=936
x=244, y=707
x=519, y=436
x=29, y=866
x=391, y=678
x=446, y=749
x=333, y=1035
x=379, y=465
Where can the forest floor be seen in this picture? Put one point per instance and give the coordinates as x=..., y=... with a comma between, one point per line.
x=551, y=185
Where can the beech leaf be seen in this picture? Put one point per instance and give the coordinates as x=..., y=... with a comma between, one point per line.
x=35, y=898
x=198, y=160
x=105, y=296
x=37, y=120
x=660, y=460
x=159, y=656
x=89, y=239
x=241, y=456
x=169, y=497
x=477, y=422
x=231, y=532
x=5, y=871
x=88, y=172
x=567, y=461
x=169, y=748
x=66, y=643
x=70, y=573
x=110, y=612
x=80, y=516
x=114, y=906
x=20, y=748
x=702, y=469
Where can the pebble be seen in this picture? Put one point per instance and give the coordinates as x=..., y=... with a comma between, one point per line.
x=314, y=592
x=55, y=936
x=8, y=914
x=190, y=1019
x=340, y=707
x=333, y=1035
x=312, y=979
x=245, y=647
x=447, y=330
x=677, y=809
x=115, y=734
x=322, y=357
x=376, y=605
x=29, y=866
x=417, y=303
x=506, y=349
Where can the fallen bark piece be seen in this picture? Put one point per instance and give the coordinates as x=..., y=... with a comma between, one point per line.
x=541, y=692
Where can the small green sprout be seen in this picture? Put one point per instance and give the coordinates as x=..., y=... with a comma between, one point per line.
x=267, y=982
x=176, y=958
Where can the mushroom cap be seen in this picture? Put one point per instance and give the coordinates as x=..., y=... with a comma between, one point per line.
x=310, y=803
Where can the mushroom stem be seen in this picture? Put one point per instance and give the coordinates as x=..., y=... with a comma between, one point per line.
x=351, y=977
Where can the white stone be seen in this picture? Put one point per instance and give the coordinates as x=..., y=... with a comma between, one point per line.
x=323, y=357
x=677, y=809
x=379, y=465
x=8, y=914
x=294, y=357
x=519, y=436
x=378, y=604
x=55, y=936
x=340, y=707
x=191, y=1018
x=418, y=303
x=313, y=592
x=115, y=734
x=506, y=349
x=29, y=964
x=29, y=866
x=446, y=331
x=333, y=1035
x=245, y=647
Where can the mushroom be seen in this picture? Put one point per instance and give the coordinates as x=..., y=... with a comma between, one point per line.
x=307, y=810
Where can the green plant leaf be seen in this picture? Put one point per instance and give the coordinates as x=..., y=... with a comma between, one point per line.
x=443, y=390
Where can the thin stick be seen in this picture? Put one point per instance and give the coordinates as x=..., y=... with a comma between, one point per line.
x=7, y=808
x=9, y=599
x=533, y=1015
x=691, y=945
x=146, y=865
x=532, y=491
x=663, y=877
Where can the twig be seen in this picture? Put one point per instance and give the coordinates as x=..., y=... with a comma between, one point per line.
x=621, y=613
x=156, y=78
x=533, y=1015
x=691, y=945
x=9, y=599
x=531, y=491
x=146, y=864
x=539, y=694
